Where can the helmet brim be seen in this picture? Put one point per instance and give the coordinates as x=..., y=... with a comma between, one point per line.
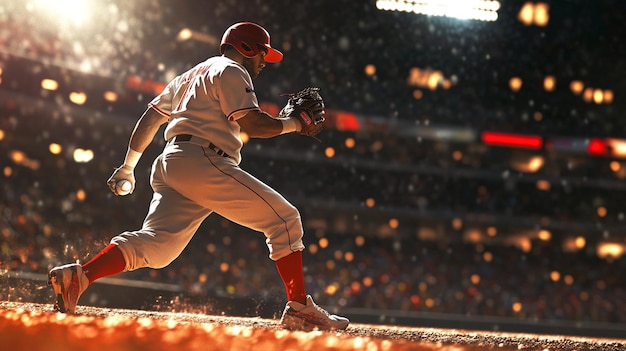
x=273, y=55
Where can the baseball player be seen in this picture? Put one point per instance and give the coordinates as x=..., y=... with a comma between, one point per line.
x=198, y=173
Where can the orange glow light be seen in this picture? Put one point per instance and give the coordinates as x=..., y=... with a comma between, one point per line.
x=515, y=83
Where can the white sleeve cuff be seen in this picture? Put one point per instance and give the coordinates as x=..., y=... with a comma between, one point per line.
x=290, y=125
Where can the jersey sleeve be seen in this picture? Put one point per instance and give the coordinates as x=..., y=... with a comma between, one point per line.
x=237, y=94
x=162, y=103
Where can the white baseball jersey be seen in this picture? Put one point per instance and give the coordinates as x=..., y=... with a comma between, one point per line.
x=205, y=102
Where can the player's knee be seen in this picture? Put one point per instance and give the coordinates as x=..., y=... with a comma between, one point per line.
x=285, y=242
x=278, y=252
x=149, y=260
x=157, y=260
x=140, y=252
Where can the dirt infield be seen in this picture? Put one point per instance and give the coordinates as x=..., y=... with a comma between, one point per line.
x=30, y=326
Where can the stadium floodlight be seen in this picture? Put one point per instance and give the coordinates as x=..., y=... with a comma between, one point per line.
x=480, y=10
x=188, y=34
x=78, y=12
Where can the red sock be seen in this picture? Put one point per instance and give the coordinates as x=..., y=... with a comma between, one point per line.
x=290, y=270
x=107, y=262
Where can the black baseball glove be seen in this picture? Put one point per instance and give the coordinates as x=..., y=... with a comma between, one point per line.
x=307, y=106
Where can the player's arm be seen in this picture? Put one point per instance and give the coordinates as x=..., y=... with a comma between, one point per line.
x=303, y=113
x=145, y=129
x=259, y=124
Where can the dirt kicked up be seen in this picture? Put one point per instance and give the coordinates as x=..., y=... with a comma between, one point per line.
x=29, y=326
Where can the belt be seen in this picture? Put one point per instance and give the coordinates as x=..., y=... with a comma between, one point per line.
x=199, y=141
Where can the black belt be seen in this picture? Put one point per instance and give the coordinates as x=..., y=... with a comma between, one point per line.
x=199, y=141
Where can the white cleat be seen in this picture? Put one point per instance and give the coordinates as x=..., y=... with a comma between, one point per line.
x=68, y=282
x=297, y=316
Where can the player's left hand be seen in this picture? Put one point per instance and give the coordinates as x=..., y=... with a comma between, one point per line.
x=121, y=173
x=308, y=107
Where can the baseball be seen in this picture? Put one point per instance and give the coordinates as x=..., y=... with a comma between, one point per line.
x=123, y=187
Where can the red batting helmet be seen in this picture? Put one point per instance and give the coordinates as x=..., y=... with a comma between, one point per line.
x=246, y=38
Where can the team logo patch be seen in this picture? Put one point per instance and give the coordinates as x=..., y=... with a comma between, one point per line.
x=305, y=117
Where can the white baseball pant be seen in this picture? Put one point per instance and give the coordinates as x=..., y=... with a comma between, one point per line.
x=190, y=182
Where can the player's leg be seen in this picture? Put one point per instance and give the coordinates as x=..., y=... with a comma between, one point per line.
x=238, y=196
x=243, y=199
x=169, y=226
x=261, y=208
x=171, y=222
x=108, y=261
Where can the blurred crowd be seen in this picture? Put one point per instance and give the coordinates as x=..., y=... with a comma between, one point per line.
x=361, y=57
x=55, y=210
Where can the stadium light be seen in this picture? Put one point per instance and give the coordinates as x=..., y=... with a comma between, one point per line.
x=617, y=147
x=512, y=140
x=515, y=83
x=577, y=87
x=76, y=11
x=610, y=250
x=82, y=155
x=49, y=84
x=77, y=97
x=597, y=147
x=110, y=96
x=534, y=14
x=480, y=10
x=186, y=34
x=427, y=78
x=549, y=83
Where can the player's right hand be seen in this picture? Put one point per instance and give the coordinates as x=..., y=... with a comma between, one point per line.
x=121, y=173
